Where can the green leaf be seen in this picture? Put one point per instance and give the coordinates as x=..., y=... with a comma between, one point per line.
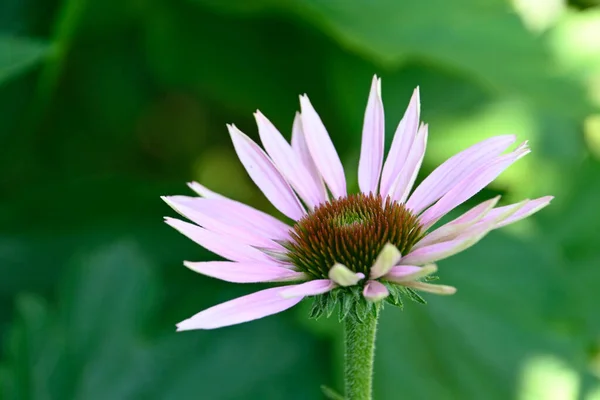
x=479, y=40
x=97, y=344
x=18, y=55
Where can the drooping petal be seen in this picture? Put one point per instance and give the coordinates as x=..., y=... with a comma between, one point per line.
x=453, y=170
x=387, y=258
x=407, y=273
x=243, y=309
x=405, y=181
x=265, y=175
x=373, y=136
x=310, y=288
x=343, y=276
x=403, y=139
x=457, y=226
x=476, y=213
x=301, y=149
x=230, y=210
x=530, y=207
x=219, y=244
x=211, y=215
x=439, y=251
x=431, y=288
x=471, y=185
x=205, y=192
x=245, y=272
x=288, y=162
x=322, y=150
x=375, y=291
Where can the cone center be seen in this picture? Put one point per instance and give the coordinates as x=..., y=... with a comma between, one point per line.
x=351, y=231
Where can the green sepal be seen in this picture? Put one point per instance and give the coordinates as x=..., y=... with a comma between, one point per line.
x=331, y=302
x=331, y=394
x=395, y=297
x=361, y=309
x=318, y=307
x=324, y=304
x=346, y=305
x=414, y=296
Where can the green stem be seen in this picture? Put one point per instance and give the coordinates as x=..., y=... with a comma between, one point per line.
x=360, y=349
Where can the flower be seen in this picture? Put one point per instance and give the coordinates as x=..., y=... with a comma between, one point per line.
x=377, y=244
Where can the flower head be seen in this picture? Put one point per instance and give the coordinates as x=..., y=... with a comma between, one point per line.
x=354, y=249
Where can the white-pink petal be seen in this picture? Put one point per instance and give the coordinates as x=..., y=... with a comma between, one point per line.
x=386, y=259
x=373, y=137
x=439, y=251
x=322, y=150
x=219, y=244
x=310, y=288
x=288, y=162
x=301, y=149
x=375, y=291
x=471, y=185
x=401, y=144
x=245, y=272
x=217, y=216
x=205, y=192
x=265, y=175
x=527, y=209
x=343, y=276
x=406, y=179
x=457, y=226
x=407, y=273
x=243, y=309
x=431, y=288
x=273, y=228
x=453, y=170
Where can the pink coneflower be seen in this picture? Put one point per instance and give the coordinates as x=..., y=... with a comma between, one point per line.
x=369, y=246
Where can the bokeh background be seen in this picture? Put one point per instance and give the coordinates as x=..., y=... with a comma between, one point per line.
x=105, y=105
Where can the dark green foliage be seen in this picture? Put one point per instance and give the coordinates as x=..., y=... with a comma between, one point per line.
x=106, y=105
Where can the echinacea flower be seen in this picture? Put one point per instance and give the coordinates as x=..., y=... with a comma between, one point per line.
x=377, y=243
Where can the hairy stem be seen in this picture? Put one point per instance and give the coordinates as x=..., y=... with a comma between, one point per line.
x=360, y=349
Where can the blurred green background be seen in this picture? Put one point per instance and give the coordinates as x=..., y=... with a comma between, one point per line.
x=106, y=104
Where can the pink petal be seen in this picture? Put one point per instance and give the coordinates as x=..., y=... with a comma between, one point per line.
x=271, y=226
x=476, y=213
x=288, y=162
x=373, y=136
x=531, y=207
x=243, y=309
x=221, y=245
x=375, y=291
x=456, y=227
x=299, y=146
x=405, y=181
x=265, y=175
x=401, y=144
x=310, y=288
x=231, y=210
x=321, y=149
x=406, y=273
x=444, y=177
x=245, y=272
x=439, y=251
x=217, y=216
x=470, y=185
x=205, y=192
